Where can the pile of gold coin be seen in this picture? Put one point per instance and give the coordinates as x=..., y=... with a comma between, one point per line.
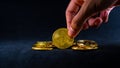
x=43, y=45
x=78, y=45
x=61, y=40
x=85, y=45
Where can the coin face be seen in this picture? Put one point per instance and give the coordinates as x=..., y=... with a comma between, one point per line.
x=38, y=48
x=61, y=39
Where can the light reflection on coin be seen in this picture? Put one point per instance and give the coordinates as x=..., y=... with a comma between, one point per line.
x=77, y=48
x=43, y=44
x=38, y=48
x=85, y=45
x=90, y=43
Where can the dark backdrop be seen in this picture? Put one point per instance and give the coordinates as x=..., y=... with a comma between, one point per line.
x=23, y=22
x=39, y=18
x=30, y=19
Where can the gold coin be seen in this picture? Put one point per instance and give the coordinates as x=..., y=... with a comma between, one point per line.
x=81, y=45
x=88, y=47
x=90, y=43
x=38, y=48
x=77, y=48
x=83, y=48
x=85, y=45
x=61, y=39
x=43, y=44
x=87, y=42
x=74, y=43
x=95, y=48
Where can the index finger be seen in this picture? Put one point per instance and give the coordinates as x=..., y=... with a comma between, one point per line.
x=72, y=10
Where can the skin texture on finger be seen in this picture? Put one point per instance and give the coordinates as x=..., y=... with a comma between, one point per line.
x=99, y=18
x=79, y=19
x=95, y=22
x=104, y=15
x=72, y=10
x=98, y=21
x=85, y=26
x=88, y=8
x=91, y=21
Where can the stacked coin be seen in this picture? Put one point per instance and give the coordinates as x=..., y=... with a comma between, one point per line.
x=77, y=45
x=85, y=45
x=43, y=45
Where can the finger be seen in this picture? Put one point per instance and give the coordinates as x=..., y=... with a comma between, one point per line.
x=98, y=21
x=86, y=10
x=72, y=10
x=95, y=22
x=91, y=21
x=105, y=14
x=85, y=26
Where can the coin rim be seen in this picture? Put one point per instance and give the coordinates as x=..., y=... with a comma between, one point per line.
x=39, y=48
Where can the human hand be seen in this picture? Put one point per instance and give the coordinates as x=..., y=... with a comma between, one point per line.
x=83, y=14
x=97, y=19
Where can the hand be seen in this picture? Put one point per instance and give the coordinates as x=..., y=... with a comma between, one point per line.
x=97, y=19
x=82, y=14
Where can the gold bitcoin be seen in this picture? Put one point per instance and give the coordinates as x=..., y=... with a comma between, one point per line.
x=61, y=39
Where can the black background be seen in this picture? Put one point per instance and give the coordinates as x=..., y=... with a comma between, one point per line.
x=23, y=22
x=38, y=19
